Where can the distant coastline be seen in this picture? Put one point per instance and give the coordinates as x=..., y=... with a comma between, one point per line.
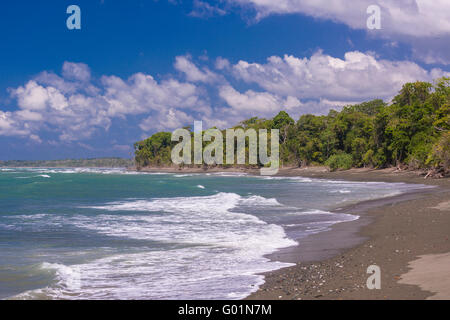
x=70, y=163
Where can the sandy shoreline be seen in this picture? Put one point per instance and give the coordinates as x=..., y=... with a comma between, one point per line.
x=393, y=233
x=407, y=236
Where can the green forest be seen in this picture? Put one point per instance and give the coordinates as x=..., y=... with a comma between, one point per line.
x=411, y=132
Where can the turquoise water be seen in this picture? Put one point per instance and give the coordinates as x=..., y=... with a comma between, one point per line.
x=113, y=234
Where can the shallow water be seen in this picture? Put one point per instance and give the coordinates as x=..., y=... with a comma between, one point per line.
x=113, y=234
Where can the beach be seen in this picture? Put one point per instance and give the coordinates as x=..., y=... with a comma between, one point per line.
x=102, y=233
x=406, y=236
x=229, y=150
x=225, y=233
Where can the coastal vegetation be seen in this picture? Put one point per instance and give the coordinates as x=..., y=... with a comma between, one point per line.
x=411, y=132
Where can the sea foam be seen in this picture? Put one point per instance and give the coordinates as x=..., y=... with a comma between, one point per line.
x=216, y=253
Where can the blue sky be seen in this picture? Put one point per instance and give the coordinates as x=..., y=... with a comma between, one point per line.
x=137, y=67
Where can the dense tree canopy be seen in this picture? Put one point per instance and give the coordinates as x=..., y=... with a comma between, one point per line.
x=413, y=131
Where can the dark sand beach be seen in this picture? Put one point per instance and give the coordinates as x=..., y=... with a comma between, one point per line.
x=407, y=236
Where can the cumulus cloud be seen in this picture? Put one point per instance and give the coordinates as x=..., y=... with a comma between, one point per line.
x=35, y=138
x=76, y=71
x=222, y=63
x=170, y=119
x=192, y=72
x=9, y=126
x=28, y=115
x=74, y=115
x=142, y=93
x=249, y=102
x=319, y=83
x=263, y=104
x=359, y=76
x=74, y=107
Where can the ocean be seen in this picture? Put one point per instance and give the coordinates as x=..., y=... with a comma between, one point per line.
x=115, y=234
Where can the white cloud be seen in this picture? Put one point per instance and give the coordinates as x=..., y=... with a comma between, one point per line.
x=142, y=93
x=432, y=50
x=170, y=119
x=28, y=115
x=9, y=126
x=264, y=104
x=250, y=102
x=35, y=138
x=194, y=74
x=76, y=109
x=405, y=17
x=320, y=107
x=359, y=76
x=424, y=25
x=76, y=71
x=202, y=9
x=222, y=63
x=32, y=96
x=318, y=84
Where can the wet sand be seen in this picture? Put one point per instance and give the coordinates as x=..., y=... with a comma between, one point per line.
x=430, y=273
x=392, y=233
